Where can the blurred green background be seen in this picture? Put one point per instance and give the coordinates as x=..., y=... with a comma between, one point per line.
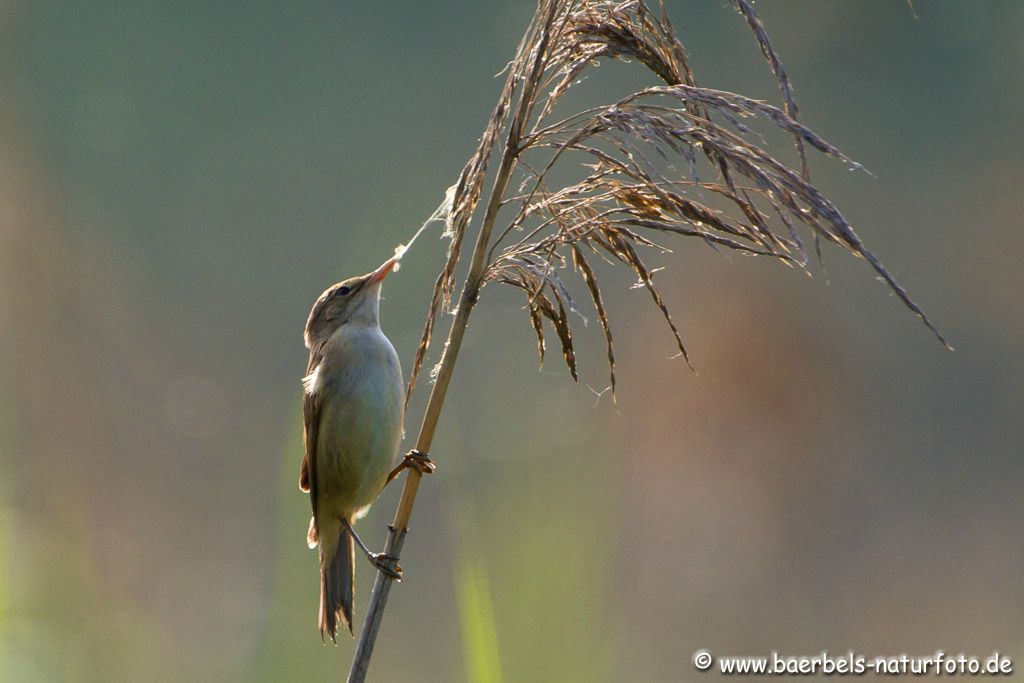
x=179, y=181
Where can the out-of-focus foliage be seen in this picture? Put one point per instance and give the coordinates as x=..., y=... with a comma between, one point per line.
x=479, y=625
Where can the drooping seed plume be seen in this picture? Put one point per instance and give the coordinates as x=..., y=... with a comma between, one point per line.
x=674, y=158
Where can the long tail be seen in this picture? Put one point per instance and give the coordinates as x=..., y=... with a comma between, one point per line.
x=337, y=575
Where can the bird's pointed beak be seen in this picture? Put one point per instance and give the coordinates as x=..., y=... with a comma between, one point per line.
x=382, y=272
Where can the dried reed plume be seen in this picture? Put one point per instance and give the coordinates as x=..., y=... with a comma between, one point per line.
x=537, y=228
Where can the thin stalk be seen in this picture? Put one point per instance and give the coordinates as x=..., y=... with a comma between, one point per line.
x=467, y=300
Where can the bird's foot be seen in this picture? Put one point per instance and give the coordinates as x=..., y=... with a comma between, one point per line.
x=382, y=561
x=419, y=461
x=387, y=564
x=413, y=460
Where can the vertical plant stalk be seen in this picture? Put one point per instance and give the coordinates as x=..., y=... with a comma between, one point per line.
x=399, y=527
x=456, y=333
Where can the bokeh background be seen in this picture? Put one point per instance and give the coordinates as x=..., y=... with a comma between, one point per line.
x=179, y=181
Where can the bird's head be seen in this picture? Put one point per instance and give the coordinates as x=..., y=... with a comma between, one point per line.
x=352, y=301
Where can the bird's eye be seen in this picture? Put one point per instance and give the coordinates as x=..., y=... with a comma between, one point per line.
x=343, y=290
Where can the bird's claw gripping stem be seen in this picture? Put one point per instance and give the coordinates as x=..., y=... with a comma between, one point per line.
x=419, y=461
x=414, y=460
x=387, y=564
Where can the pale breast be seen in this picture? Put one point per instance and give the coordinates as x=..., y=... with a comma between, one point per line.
x=361, y=392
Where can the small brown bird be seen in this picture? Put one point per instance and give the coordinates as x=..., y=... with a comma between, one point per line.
x=353, y=407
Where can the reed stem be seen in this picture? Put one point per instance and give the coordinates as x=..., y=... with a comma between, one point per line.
x=453, y=344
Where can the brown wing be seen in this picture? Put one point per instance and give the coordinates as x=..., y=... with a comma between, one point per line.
x=310, y=433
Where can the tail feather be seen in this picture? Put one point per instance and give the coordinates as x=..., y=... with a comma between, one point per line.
x=312, y=537
x=337, y=582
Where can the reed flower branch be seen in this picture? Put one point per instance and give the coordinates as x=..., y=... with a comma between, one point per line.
x=602, y=184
